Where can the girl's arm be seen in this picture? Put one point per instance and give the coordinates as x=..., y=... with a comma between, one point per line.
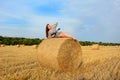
x=50, y=35
x=54, y=25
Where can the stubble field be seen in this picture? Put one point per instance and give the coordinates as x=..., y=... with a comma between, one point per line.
x=20, y=63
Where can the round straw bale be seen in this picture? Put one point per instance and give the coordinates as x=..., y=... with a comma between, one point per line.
x=95, y=47
x=2, y=45
x=18, y=45
x=22, y=45
x=35, y=46
x=62, y=54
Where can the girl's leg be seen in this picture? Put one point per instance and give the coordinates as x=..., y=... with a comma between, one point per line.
x=64, y=35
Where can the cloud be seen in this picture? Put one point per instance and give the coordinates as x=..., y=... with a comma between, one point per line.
x=95, y=20
x=102, y=18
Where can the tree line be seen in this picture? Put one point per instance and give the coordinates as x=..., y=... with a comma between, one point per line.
x=36, y=41
x=88, y=43
x=19, y=40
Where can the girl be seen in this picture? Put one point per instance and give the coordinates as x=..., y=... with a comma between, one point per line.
x=51, y=32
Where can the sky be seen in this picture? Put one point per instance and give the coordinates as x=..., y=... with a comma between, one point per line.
x=86, y=20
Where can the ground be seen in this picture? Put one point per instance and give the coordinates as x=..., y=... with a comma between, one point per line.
x=20, y=63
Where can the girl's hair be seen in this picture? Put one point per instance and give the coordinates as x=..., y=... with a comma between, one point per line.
x=47, y=30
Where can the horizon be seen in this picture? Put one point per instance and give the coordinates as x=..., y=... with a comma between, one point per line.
x=95, y=20
x=46, y=38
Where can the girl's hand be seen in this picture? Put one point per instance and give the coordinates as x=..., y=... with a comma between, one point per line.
x=52, y=36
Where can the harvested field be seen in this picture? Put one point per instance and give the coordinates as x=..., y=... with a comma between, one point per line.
x=22, y=64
